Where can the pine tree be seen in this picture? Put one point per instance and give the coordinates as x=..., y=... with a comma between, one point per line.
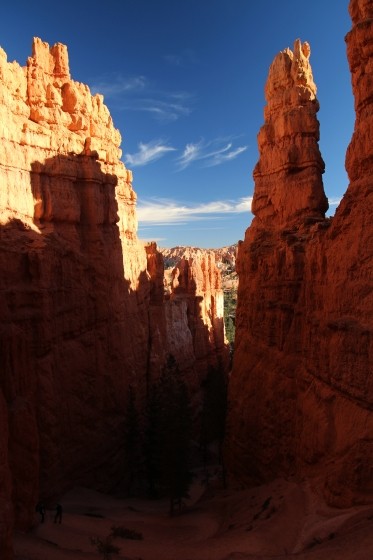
x=131, y=439
x=169, y=435
x=230, y=303
x=152, y=447
x=214, y=410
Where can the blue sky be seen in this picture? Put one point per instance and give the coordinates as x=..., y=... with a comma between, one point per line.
x=184, y=82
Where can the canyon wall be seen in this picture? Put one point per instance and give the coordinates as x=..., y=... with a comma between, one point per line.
x=196, y=285
x=73, y=274
x=301, y=391
x=190, y=300
x=83, y=313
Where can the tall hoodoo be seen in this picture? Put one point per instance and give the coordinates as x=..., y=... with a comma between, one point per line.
x=288, y=182
x=301, y=390
x=359, y=41
x=288, y=201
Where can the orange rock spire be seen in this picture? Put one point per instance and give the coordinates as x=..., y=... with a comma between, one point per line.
x=301, y=389
x=287, y=176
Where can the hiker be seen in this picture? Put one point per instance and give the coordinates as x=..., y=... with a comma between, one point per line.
x=58, y=515
x=40, y=508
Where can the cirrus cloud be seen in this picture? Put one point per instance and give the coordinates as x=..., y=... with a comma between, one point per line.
x=334, y=201
x=148, y=153
x=162, y=212
x=137, y=93
x=213, y=152
x=118, y=85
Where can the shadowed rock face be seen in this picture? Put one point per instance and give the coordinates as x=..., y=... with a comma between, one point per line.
x=82, y=305
x=301, y=392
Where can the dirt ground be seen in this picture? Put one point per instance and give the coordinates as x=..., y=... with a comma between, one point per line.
x=279, y=520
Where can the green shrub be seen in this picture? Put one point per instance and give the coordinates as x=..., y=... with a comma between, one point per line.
x=126, y=533
x=105, y=547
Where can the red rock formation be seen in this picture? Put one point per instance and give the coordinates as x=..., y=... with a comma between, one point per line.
x=69, y=281
x=189, y=298
x=288, y=175
x=82, y=311
x=196, y=281
x=301, y=391
x=224, y=254
x=193, y=283
x=187, y=315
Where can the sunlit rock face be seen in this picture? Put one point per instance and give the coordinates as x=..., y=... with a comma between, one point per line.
x=196, y=283
x=187, y=316
x=194, y=297
x=82, y=300
x=225, y=255
x=288, y=184
x=301, y=392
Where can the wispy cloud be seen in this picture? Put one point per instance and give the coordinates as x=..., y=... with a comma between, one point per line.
x=173, y=59
x=137, y=93
x=222, y=157
x=148, y=153
x=187, y=56
x=164, y=110
x=154, y=150
x=213, y=153
x=334, y=201
x=151, y=239
x=118, y=85
x=191, y=153
x=167, y=212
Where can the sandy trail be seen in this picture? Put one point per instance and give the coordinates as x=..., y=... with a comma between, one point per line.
x=278, y=520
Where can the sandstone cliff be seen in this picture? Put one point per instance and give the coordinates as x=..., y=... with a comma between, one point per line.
x=82, y=303
x=190, y=301
x=225, y=261
x=225, y=255
x=301, y=392
x=72, y=275
x=196, y=283
x=218, y=293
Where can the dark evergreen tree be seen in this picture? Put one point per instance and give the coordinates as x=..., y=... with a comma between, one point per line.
x=214, y=411
x=169, y=436
x=230, y=303
x=152, y=447
x=132, y=438
x=176, y=420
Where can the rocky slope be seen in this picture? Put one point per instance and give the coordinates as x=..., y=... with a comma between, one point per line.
x=83, y=314
x=301, y=391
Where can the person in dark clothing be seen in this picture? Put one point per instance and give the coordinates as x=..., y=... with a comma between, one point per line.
x=40, y=508
x=58, y=515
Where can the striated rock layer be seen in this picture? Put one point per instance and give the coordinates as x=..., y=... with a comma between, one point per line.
x=301, y=392
x=81, y=299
